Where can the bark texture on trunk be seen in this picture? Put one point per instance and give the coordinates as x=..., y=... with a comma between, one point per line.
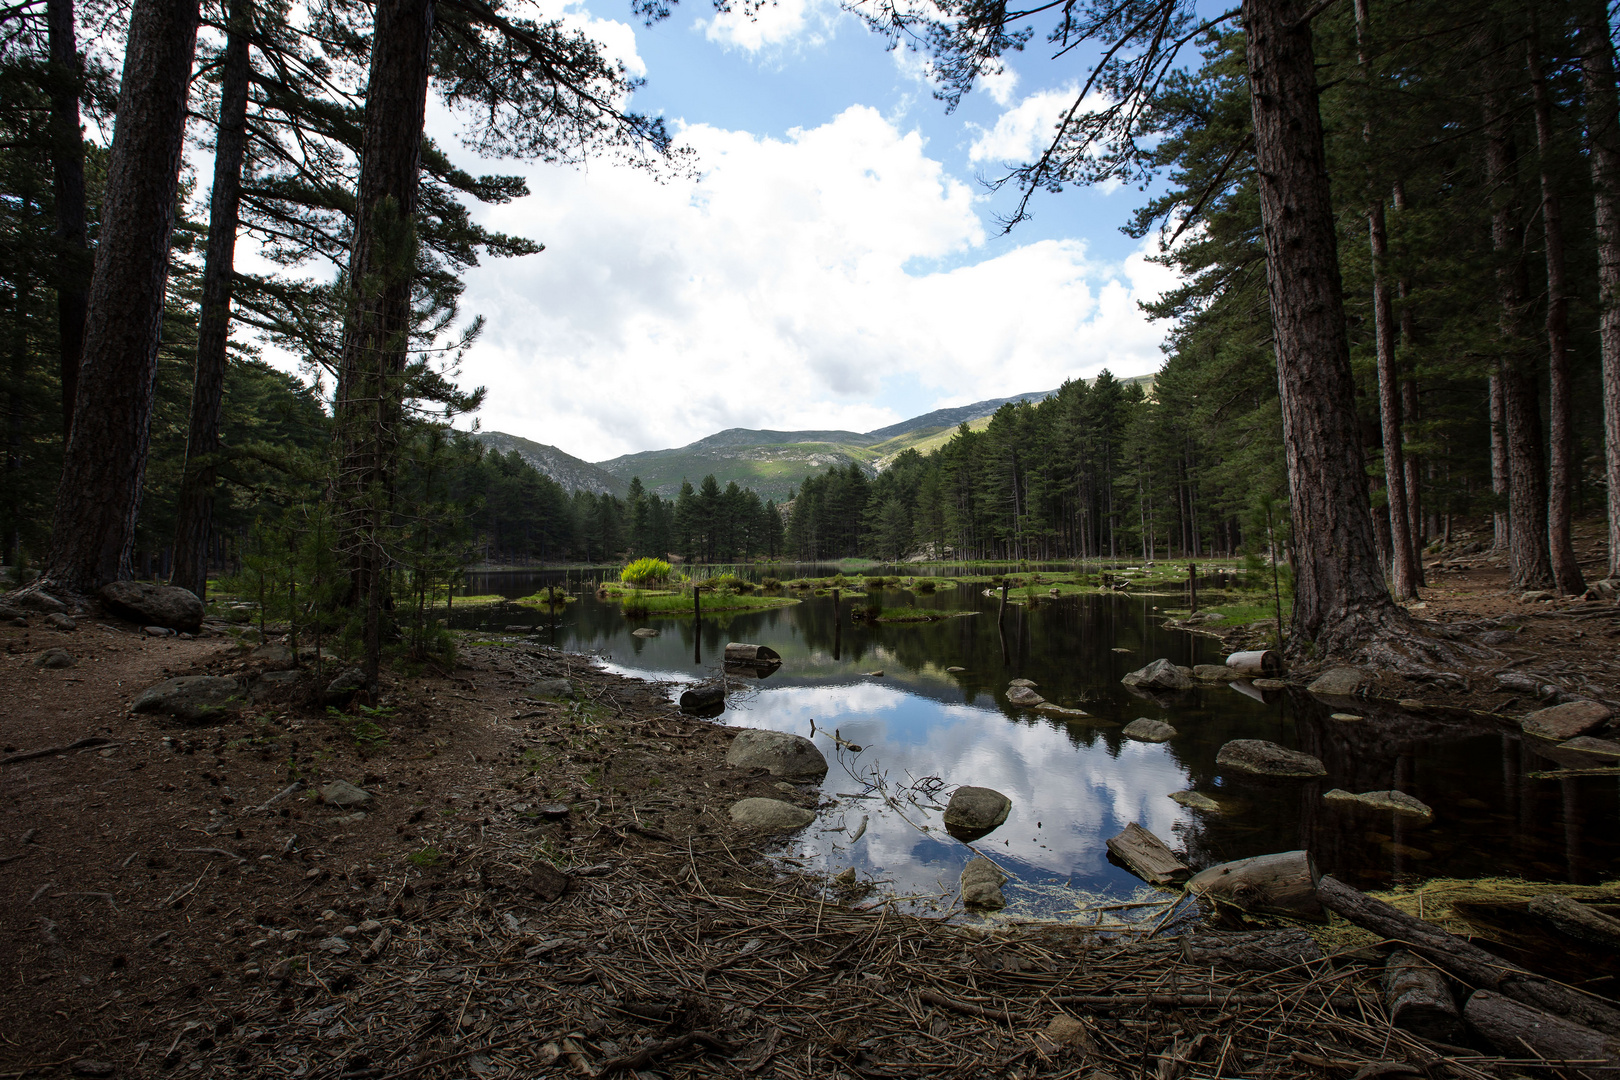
x=1501, y=522
x=1566, y=571
x=67, y=166
x=377, y=331
x=195, y=510
x=1340, y=597
x=93, y=529
x=1521, y=414
x=1603, y=135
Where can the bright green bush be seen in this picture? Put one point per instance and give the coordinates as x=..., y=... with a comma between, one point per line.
x=645, y=571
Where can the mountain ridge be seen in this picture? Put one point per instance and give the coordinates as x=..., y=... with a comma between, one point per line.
x=771, y=462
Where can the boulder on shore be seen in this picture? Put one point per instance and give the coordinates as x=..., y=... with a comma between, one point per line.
x=343, y=794
x=154, y=605
x=1566, y=721
x=1395, y=802
x=195, y=699
x=770, y=815
x=1146, y=730
x=1338, y=682
x=981, y=885
x=55, y=658
x=341, y=690
x=42, y=602
x=1264, y=758
x=1159, y=675
x=778, y=752
x=976, y=810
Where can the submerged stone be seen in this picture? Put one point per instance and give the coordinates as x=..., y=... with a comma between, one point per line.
x=1263, y=758
x=1396, y=802
x=981, y=885
x=1195, y=800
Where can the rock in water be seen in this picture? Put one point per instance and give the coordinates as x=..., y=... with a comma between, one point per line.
x=1213, y=673
x=778, y=752
x=1194, y=800
x=981, y=885
x=196, y=699
x=644, y=631
x=1338, y=682
x=156, y=605
x=974, y=811
x=1147, y=730
x=1159, y=675
x=1566, y=721
x=770, y=815
x=1023, y=695
x=1268, y=759
x=344, y=794
x=953, y=670
x=1023, y=682
x=1395, y=802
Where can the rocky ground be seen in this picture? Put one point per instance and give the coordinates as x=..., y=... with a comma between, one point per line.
x=538, y=878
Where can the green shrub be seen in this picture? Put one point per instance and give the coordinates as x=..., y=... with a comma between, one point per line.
x=925, y=585
x=645, y=571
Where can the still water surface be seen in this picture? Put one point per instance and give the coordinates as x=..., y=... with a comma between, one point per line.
x=1073, y=784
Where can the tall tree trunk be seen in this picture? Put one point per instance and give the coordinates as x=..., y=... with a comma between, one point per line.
x=195, y=511
x=1566, y=570
x=93, y=529
x=377, y=328
x=1409, y=402
x=67, y=164
x=1402, y=573
x=1501, y=521
x=1527, y=477
x=1339, y=594
x=1603, y=135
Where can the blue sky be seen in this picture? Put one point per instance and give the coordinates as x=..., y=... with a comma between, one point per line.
x=835, y=264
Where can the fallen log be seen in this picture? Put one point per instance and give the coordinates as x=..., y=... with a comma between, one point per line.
x=1263, y=662
x=1467, y=962
x=1577, y=920
x=737, y=652
x=1148, y=857
x=1418, y=999
x=1514, y=1028
x=1280, y=884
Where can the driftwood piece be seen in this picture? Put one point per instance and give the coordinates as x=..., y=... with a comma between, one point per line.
x=1280, y=884
x=29, y=755
x=1254, y=950
x=1418, y=999
x=658, y=1048
x=1467, y=962
x=754, y=654
x=1148, y=857
x=1519, y=1031
x=703, y=698
x=1263, y=662
x=1577, y=920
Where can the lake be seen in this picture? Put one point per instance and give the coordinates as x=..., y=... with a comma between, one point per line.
x=923, y=730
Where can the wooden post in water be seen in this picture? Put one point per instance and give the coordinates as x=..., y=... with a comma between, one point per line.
x=838, y=629
x=1192, y=586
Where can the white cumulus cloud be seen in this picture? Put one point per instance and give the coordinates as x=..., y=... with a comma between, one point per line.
x=780, y=290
